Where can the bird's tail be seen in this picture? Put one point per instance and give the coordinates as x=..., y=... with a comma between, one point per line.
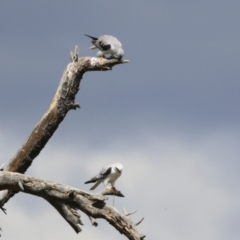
x=94, y=38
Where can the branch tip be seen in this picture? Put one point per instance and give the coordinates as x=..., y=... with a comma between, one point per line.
x=142, y=237
x=80, y=222
x=128, y=214
x=74, y=55
x=71, y=55
x=4, y=210
x=76, y=50
x=74, y=106
x=139, y=222
x=93, y=221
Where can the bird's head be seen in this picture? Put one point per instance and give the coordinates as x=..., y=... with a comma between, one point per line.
x=119, y=167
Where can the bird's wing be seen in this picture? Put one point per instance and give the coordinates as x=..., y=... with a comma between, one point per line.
x=103, y=43
x=105, y=171
x=102, y=175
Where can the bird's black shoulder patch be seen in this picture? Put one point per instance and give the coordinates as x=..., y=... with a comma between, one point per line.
x=107, y=172
x=104, y=46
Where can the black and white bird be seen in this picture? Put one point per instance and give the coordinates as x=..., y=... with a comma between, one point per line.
x=107, y=44
x=108, y=175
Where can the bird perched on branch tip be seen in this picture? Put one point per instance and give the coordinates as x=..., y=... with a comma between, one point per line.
x=107, y=44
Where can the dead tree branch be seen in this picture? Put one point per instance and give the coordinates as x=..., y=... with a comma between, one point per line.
x=69, y=200
x=63, y=101
x=66, y=200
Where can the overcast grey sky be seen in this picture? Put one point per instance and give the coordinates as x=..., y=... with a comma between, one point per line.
x=170, y=115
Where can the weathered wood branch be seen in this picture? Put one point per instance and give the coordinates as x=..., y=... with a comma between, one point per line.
x=68, y=213
x=63, y=101
x=69, y=199
x=66, y=200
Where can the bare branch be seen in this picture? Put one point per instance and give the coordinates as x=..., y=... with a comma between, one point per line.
x=4, y=210
x=63, y=101
x=93, y=221
x=69, y=214
x=67, y=200
x=139, y=222
x=128, y=214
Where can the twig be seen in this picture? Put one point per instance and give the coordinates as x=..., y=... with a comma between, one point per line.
x=139, y=222
x=4, y=210
x=93, y=221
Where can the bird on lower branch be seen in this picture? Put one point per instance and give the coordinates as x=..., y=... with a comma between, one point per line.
x=108, y=175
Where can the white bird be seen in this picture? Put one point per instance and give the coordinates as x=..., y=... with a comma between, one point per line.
x=107, y=44
x=108, y=175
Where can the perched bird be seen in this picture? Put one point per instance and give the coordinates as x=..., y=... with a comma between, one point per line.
x=108, y=175
x=107, y=45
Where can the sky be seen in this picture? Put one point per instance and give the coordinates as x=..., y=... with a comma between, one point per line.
x=169, y=116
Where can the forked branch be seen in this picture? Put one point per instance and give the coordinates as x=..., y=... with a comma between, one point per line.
x=66, y=200
x=63, y=101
